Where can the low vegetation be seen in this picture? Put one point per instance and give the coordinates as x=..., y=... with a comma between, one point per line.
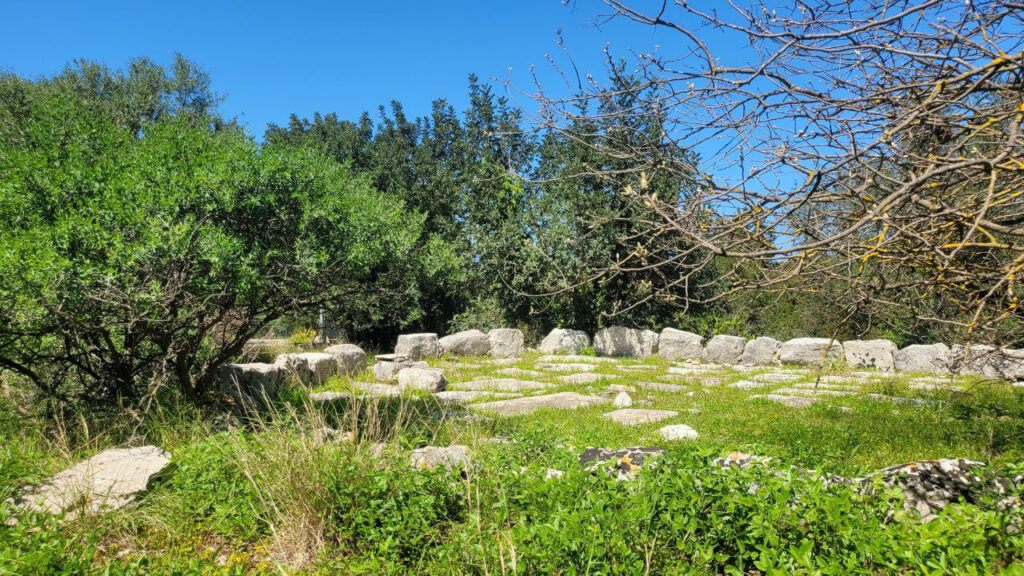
x=276, y=493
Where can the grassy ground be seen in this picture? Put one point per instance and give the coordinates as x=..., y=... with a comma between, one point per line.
x=272, y=496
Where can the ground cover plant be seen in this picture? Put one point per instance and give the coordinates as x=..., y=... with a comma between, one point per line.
x=278, y=492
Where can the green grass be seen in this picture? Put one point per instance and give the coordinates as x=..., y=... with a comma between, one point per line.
x=272, y=497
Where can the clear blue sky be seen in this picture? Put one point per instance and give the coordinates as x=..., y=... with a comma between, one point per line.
x=270, y=59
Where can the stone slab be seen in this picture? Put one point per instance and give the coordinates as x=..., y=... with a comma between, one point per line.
x=638, y=416
x=529, y=404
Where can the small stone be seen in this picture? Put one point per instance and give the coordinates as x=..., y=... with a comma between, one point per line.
x=622, y=400
x=677, y=432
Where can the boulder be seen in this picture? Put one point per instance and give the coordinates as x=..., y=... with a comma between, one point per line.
x=387, y=370
x=761, y=351
x=987, y=361
x=677, y=432
x=109, y=480
x=564, y=341
x=434, y=456
x=429, y=379
x=810, y=351
x=680, y=345
x=465, y=343
x=310, y=368
x=351, y=359
x=622, y=341
x=256, y=379
x=932, y=358
x=878, y=354
x=506, y=342
x=722, y=349
x=417, y=346
x=622, y=400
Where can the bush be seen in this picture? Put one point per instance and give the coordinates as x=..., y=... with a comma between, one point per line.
x=127, y=261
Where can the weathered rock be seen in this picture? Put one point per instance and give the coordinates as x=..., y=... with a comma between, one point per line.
x=622, y=400
x=467, y=396
x=577, y=358
x=506, y=342
x=111, y=479
x=310, y=368
x=465, y=343
x=629, y=342
x=623, y=464
x=429, y=379
x=520, y=372
x=680, y=345
x=351, y=359
x=565, y=367
x=662, y=387
x=677, y=432
x=503, y=384
x=879, y=354
x=417, y=346
x=583, y=378
x=761, y=351
x=434, y=456
x=327, y=396
x=560, y=400
x=932, y=358
x=929, y=486
x=987, y=361
x=257, y=380
x=810, y=351
x=564, y=341
x=387, y=371
x=791, y=401
x=637, y=416
x=722, y=349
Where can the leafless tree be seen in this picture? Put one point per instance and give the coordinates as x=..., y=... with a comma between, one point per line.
x=873, y=146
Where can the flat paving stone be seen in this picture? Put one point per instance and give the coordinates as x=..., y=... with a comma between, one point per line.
x=637, y=416
x=529, y=404
x=520, y=372
x=710, y=381
x=637, y=368
x=694, y=369
x=502, y=384
x=811, y=392
x=826, y=386
x=928, y=387
x=467, y=396
x=791, y=401
x=109, y=480
x=559, y=359
x=554, y=367
x=503, y=361
x=777, y=377
x=662, y=387
x=375, y=390
x=898, y=399
x=584, y=378
x=749, y=384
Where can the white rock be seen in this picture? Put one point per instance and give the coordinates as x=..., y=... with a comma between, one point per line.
x=637, y=416
x=810, y=351
x=528, y=404
x=674, y=432
x=387, y=371
x=621, y=341
x=722, y=349
x=255, y=379
x=465, y=343
x=622, y=400
x=564, y=341
x=417, y=346
x=351, y=359
x=761, y=351
x=109, y=480
x=506, y=342
x=433, y=456
x=311, y=368
x=931, y=358
x=429, y=379
x=680, y=345
x=879, y=354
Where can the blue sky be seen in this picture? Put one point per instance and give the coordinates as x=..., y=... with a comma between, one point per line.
x=270, y=59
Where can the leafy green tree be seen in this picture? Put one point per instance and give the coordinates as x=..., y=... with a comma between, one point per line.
x=130, y=259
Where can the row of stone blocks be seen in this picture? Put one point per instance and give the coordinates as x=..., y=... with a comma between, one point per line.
x=258, y=379
x=674, y=344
